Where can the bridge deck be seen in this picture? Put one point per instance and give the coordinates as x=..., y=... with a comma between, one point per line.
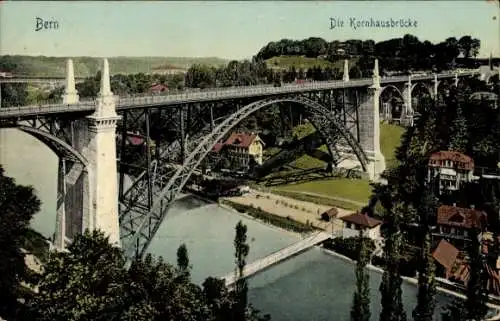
x=212, y=94
x=279, y=256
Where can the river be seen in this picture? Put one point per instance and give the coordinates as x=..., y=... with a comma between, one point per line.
x=312, y=286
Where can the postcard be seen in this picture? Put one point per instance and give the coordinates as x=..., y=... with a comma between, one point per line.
x=241, y=160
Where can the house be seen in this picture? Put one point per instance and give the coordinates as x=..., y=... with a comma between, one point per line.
x=241, y=148
x=355, y=222
x=157, y=88
x=453, y=266
x=454, y=223
x=138, y=140
x=446, y=255
x=214, y=156
x=450, y=169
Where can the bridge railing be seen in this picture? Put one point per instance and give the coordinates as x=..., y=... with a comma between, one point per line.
x=44, y=109
x=222, y=92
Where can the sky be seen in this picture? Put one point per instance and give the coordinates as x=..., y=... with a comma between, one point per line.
x=231, y=30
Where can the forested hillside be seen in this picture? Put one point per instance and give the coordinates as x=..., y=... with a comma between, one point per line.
x=394, y=54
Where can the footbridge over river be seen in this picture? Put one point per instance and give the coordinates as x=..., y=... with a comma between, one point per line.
x=279, y=256
x=90, y=137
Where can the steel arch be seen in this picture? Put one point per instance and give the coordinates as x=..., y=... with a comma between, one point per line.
x=137, y=237
x=392, y=86
x=57, y=145
x=429, y=89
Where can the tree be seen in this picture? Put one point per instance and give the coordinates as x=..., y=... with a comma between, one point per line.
x=477, y=294
x=459, y=132
x=183, y=262
x=18, y=205
x=241, y=288
x=390, y=287
x=86, y=283
x=424, y=311
x=200, y=76
x=360, y=310
x=14, y=95
x=426, y=207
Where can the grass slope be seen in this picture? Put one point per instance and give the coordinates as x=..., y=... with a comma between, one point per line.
x=342, y=192
x=88, y=66
x=390, y=139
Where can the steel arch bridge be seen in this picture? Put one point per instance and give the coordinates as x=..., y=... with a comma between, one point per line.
x=139, y=223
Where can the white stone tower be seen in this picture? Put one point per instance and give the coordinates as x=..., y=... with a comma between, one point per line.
x=70, y=94
x=436, y=84
x=102, y=162
x=346, y=70
x=377, y=158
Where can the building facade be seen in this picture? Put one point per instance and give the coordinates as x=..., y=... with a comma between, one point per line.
x=450, y=170
x=241, y=149
x=356, y=222
x=454, y=224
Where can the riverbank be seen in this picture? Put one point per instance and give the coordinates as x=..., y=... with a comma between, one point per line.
x=250, y=217
x=303, y=212
x=414, y=282
x=284, y=223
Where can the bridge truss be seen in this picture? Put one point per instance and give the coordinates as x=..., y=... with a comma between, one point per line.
x=144, y=205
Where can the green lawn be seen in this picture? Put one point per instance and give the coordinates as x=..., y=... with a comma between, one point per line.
x=390, y=138
x=358, y=190
x=345, y=189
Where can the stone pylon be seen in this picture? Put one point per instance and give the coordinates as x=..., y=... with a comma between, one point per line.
x=70, y=95
x=376, y=75
x=103, y=189
x=377, y=160
x=436, y=84
x=346, y=70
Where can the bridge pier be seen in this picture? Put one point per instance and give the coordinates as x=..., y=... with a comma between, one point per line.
x=88, y=190
x=435, y=88
x=368, y=131
x=101, y=153
x=407, y=114
x=346, y=70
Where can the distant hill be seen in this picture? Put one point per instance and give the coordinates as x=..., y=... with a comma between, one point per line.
x=88, y=66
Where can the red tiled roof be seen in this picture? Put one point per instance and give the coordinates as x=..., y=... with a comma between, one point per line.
x=217, y=147
x=462, y=273
x=361, y=219
x=240, y=139
x=332, y=212
x=460, y=160
x=460, y=217
x=135, y=139
x=446, y=254
x=158, y=88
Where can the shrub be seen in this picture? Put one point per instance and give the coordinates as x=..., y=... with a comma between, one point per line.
x=348, y=246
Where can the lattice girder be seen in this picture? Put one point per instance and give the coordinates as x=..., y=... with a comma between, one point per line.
x=143, y=233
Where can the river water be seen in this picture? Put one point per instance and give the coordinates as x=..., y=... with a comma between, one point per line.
x=312, y=286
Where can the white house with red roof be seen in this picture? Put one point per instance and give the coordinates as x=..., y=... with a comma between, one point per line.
x=454, y=223
x=242, y=148
x=355, y=222
x=451, y=168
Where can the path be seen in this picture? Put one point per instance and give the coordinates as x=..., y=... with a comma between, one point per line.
x=299, y=211
x=335, y=198
x=279, y=256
